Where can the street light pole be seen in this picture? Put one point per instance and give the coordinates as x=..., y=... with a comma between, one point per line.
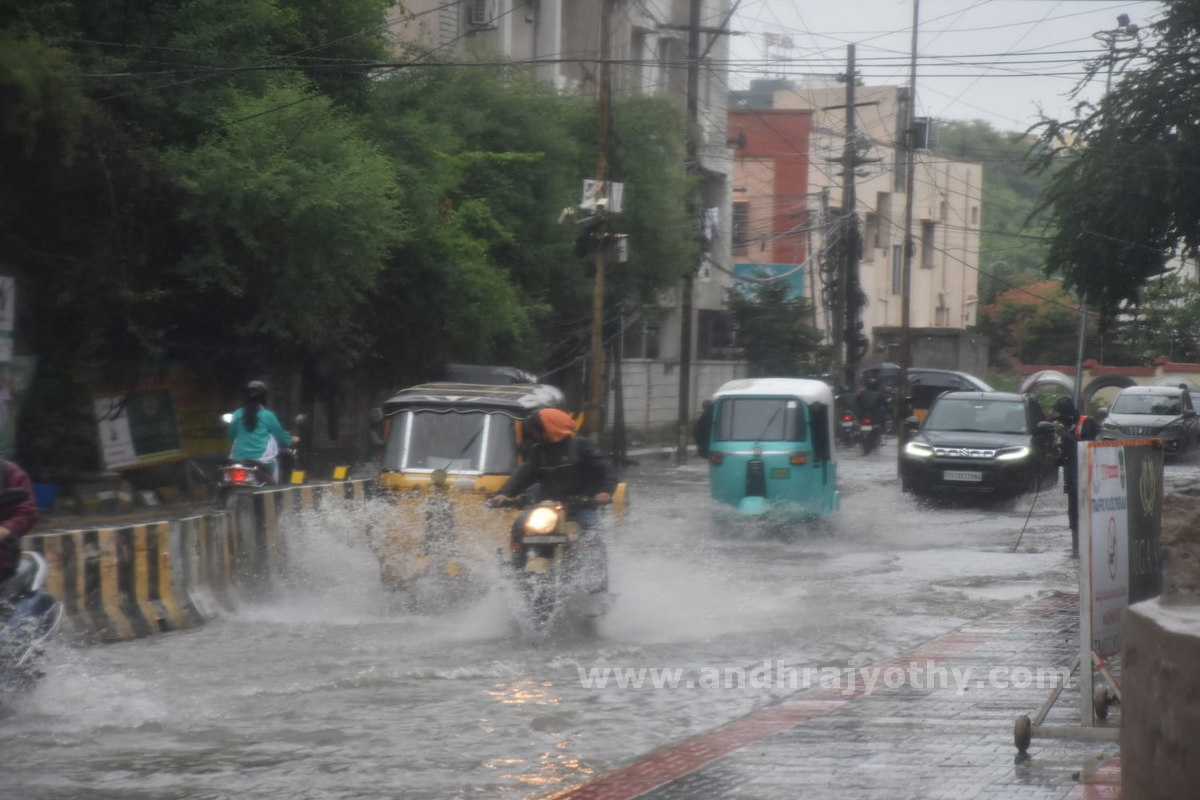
x=1125, y=31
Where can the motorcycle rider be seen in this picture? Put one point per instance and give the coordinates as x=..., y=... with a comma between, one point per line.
x=16, y=519
x=255, y=431
x=566, y=466
x=872, y=404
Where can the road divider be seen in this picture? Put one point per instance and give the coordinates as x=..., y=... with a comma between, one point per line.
x=131, y=581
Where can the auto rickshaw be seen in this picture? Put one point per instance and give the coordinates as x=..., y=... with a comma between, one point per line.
x=771, y=449
x=448, y=447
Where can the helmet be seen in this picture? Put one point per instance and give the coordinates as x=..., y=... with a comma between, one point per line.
x=1065, y=407
x=256, y=392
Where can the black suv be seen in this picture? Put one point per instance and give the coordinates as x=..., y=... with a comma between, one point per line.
x=973, y=443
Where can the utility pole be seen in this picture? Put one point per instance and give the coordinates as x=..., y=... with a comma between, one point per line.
x=910, y=150
x=595, y=406
x=689, y=272
x=849, y=292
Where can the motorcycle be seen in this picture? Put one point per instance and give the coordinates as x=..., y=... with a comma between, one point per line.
x=29, y=618
x=848, y=430
x=871, y=431
x=556, y=562
x=247, y=474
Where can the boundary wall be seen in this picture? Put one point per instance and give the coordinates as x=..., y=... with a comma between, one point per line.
x=136, y=580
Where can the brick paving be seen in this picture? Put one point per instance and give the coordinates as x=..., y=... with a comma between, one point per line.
x=919, y=740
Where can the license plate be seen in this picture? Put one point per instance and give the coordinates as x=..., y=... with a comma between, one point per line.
x=866, y=427
x=548, y=539
x=971, y=476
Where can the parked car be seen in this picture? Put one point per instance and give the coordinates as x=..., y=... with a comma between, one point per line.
x=980, y=443
x=1154, y=412
x=924, y=384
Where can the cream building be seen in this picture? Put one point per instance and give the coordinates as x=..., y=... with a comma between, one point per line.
x=947, y=197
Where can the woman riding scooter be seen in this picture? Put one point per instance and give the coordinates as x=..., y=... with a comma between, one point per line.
x=255, y=431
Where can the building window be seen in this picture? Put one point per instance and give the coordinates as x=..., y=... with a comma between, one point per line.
x=741, y=226
x=928, y=248
x=897, y=268
x=870, y=237
x=714, y=335
x=883, y=225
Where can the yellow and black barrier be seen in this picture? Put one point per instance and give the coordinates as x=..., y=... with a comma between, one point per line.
x=127, y=582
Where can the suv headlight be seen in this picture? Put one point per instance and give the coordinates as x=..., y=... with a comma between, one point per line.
x=1012, y=453
x=918, y=450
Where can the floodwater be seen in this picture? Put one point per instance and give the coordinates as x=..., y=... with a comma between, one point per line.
x=326, y=690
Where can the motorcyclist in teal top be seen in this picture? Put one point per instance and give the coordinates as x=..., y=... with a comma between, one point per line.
x=255, y=431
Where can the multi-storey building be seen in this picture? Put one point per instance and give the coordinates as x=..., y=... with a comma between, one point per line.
x=947, y=196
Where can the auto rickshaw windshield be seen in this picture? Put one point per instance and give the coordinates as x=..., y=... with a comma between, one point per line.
x=454, y=441
x=754, y=419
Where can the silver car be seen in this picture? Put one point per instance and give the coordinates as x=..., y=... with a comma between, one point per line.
x=1154, y=412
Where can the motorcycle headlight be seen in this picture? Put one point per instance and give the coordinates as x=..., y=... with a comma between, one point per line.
x=918, y=450
x=541, y=521
x=1012, y=453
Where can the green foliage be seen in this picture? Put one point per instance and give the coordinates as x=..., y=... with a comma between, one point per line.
x=1036, y=324
x=1127, y=199
x=1011, y=249
x=1165, y=322
x=775, y=333
x=293, y=212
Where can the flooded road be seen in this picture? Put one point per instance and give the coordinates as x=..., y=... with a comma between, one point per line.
x=325, y=691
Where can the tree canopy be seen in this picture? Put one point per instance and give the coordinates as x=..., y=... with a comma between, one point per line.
x=230, y=183
x=1124, y=200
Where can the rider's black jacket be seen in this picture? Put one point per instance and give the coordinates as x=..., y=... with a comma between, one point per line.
x=571, y=468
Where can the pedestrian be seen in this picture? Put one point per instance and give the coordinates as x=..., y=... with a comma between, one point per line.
x=17, y=514
x=702, y=432
x=1072, y=428
x=255, y=431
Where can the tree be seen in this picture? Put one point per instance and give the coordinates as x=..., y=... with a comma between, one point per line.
x=1165, y=322
x=774, y=333
x=1036, y=324
x=1125, y=199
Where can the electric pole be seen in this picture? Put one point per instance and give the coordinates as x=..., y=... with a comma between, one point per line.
x=910, y=150
x=849, y=291
x=595, y=406
x=689, y=272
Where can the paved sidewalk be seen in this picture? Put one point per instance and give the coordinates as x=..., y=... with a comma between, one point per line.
x=924, y=739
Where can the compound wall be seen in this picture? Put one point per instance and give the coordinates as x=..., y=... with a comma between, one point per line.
x=119, y=583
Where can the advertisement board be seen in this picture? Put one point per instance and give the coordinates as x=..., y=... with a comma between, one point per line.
x=138, y=429
x=1120, y=517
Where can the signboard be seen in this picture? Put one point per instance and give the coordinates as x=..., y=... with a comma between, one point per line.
x=1120, y=516
x=138, y=429
x=612, y=192
x=758, y=272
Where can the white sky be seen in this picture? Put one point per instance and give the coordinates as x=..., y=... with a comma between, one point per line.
x=996, y=60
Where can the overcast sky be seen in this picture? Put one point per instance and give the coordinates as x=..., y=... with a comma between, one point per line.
x=997, y=60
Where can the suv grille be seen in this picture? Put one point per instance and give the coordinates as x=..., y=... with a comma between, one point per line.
x=963, y=452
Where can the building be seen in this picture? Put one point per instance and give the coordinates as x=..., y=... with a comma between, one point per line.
x=649, y=49
x=947, y=199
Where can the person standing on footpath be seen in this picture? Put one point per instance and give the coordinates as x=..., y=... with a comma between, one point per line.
x=702, y=432
x=1072, y=428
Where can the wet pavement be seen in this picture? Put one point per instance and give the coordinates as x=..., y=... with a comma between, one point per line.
x=937, y=722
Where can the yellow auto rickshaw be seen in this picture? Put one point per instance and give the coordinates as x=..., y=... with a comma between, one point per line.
x=448, y=447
